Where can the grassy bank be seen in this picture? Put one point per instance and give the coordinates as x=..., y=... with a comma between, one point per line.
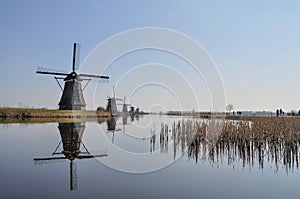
x=25, y=113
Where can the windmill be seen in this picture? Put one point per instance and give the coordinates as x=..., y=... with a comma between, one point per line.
x=72, y=96
x=71, y=139
x=125, y=106
x=112, y=104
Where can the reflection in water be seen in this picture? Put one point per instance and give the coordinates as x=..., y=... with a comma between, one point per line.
x=137, y=117
x=273, y=140
x=270, y=145
x=113, y=127
x=164, y=138
x=111, y=124
x=133, y=117
x=152, y=139
x=71, y=139
x=125, y=119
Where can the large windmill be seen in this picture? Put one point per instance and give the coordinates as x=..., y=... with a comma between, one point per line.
x=72, y=96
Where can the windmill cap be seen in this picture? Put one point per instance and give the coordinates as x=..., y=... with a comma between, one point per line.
x=73, y=75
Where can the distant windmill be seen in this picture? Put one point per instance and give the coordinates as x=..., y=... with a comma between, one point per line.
x=72, y=96
x=125, y=106
x=112, y=104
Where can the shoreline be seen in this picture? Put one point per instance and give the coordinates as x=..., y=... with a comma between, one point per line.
x=20, y=114
x=35, y=115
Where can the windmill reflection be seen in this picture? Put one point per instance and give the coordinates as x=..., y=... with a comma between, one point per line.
x=113, y=126
x=71, y=139
x=125, y=119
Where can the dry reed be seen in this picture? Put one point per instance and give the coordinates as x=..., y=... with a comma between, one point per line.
x=275, y=140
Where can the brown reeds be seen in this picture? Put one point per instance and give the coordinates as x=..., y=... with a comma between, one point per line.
x=275, y=140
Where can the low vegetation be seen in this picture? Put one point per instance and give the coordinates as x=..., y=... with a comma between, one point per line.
x=272, y=139
x=25, y=113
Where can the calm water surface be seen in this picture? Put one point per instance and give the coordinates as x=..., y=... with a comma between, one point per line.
x=54, y=160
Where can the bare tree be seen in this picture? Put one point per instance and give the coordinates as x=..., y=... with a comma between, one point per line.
x=229, y=107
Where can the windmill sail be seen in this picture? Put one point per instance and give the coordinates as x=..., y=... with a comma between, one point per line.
x=94, y=76
x=73, y=176
x=42, y=70
x=77, y=56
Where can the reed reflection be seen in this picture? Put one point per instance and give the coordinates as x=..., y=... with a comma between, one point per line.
x=272, y=140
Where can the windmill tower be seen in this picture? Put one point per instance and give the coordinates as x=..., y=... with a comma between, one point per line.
x=72, y=96
x=112, y=104
x=124, y=107
x=71, y=139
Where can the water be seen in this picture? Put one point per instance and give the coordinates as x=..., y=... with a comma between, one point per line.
x=27, y=168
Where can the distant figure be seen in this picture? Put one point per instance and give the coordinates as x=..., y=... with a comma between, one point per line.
x=277, y=113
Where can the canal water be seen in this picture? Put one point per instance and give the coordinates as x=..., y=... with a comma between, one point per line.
x=133, y=157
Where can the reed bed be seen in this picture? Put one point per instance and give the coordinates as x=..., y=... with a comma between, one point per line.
x=273, y=140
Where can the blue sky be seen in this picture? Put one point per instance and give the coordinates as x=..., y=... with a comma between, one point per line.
x=255, y=44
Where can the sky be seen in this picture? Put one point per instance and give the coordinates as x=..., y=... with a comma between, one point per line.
x=255, y=46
